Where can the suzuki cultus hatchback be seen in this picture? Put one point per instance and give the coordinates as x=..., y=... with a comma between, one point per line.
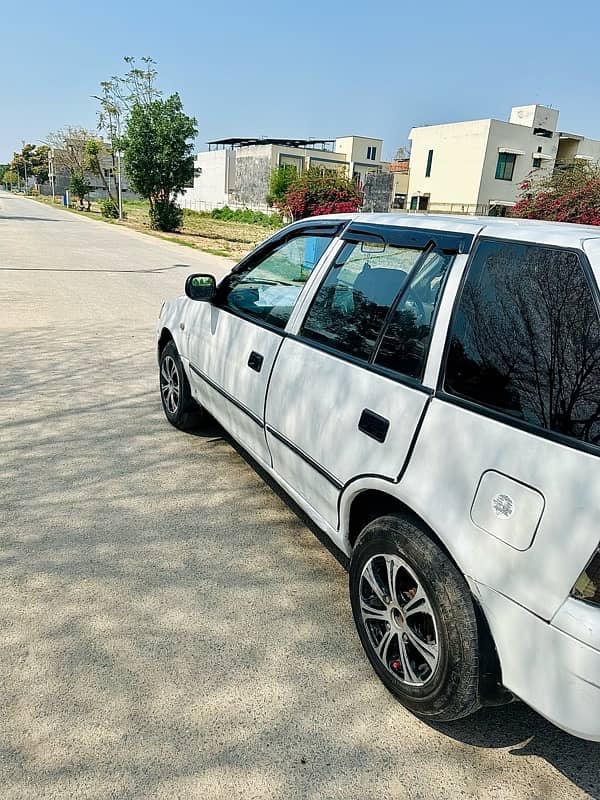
x=427, y=389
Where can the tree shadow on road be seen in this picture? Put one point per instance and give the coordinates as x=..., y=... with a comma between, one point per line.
x=170, y=626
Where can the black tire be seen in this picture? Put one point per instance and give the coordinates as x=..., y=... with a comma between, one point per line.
x=179, y=406
x=443, y=625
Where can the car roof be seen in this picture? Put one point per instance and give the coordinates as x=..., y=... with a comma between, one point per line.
x=564, y=234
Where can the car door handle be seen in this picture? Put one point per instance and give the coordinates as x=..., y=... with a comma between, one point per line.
x=255, y=361
x=373, y=425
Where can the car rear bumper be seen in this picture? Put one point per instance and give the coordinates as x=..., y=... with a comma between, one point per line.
x=551, y=670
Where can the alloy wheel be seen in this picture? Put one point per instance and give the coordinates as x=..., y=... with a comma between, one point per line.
x=399, y=619
x=169, y=384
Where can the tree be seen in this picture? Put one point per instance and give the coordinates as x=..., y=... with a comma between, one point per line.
x=121, y=93
x=69, y=145
x=316, y=192
x=33, y=161
x=402, y=153
x=158, y=148
x=94, y=150
x=10, y=178
x=80, y=152
x=280, y=183
x=80, y=188
x=570, y=194
x=118, y=96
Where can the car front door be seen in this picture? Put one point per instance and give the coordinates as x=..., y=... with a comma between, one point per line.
x=232, y=343
x=346, y=394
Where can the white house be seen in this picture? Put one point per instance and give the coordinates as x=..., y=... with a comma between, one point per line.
x=476, y=167
x=237, y=171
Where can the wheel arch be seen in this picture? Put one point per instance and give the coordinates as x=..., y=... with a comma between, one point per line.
x=375, y=498
x=165, y=337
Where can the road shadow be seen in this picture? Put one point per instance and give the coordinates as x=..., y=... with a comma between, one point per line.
x=170, y=626
x=14, y=217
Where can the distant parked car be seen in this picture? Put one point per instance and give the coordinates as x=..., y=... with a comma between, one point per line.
x=427, y=389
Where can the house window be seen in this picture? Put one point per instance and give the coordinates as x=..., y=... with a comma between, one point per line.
x=419, y=202
x=537, y=163
x=371, y=153
x=505, y=166
x=108, y=172
x=429, y=160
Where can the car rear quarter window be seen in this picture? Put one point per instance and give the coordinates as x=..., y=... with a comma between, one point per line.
x=525, y=339
x=404, y=346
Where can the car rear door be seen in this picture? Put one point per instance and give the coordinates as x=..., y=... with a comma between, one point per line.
x=507, y=462
x=347, y=393
x=232, y=343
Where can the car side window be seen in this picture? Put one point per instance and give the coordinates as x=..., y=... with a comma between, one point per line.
x=404, y=346
x=525, y=340
x=268, y=289
x=352, y=303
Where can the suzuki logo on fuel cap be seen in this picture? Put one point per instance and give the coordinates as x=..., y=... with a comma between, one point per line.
x=503, y=506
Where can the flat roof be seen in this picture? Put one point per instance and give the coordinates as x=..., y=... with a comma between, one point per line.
x=247, y=141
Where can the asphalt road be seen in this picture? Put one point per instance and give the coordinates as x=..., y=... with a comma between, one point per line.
x=169, y=625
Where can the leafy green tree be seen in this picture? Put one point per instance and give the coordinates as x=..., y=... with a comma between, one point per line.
x=281, y=180
x=10, y=178
x=80, y=188
x=158, y=147
x=33, y=160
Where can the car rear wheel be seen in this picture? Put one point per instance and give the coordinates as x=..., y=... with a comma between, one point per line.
x=416, y=619
x=179, y=406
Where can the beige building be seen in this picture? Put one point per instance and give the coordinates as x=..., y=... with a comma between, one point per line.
x=476, y=167
x=237, y=171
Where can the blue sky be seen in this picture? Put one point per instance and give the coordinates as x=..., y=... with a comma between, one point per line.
x=320, y=69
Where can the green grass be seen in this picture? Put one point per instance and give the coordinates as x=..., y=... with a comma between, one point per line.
x=232, y=237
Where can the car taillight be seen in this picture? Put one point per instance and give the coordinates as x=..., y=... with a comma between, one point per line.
x=587, y=586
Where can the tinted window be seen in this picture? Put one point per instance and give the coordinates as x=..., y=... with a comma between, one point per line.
x=268, y=289
x=526, y=339
x=505, y=166
x=351, y=305
x=429, y=162
x=406, y=341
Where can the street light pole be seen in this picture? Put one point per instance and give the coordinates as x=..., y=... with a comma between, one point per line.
x=119, y=189
x=51, y=170
x=24, y=163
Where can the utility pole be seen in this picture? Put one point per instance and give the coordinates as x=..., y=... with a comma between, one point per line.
x=24, y=163
x=51, y=170
x=119, y=189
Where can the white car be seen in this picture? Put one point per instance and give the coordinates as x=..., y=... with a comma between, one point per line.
x=427, y=389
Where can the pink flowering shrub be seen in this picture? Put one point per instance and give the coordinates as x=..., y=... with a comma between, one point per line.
x=314, y=193
x=570, y=194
